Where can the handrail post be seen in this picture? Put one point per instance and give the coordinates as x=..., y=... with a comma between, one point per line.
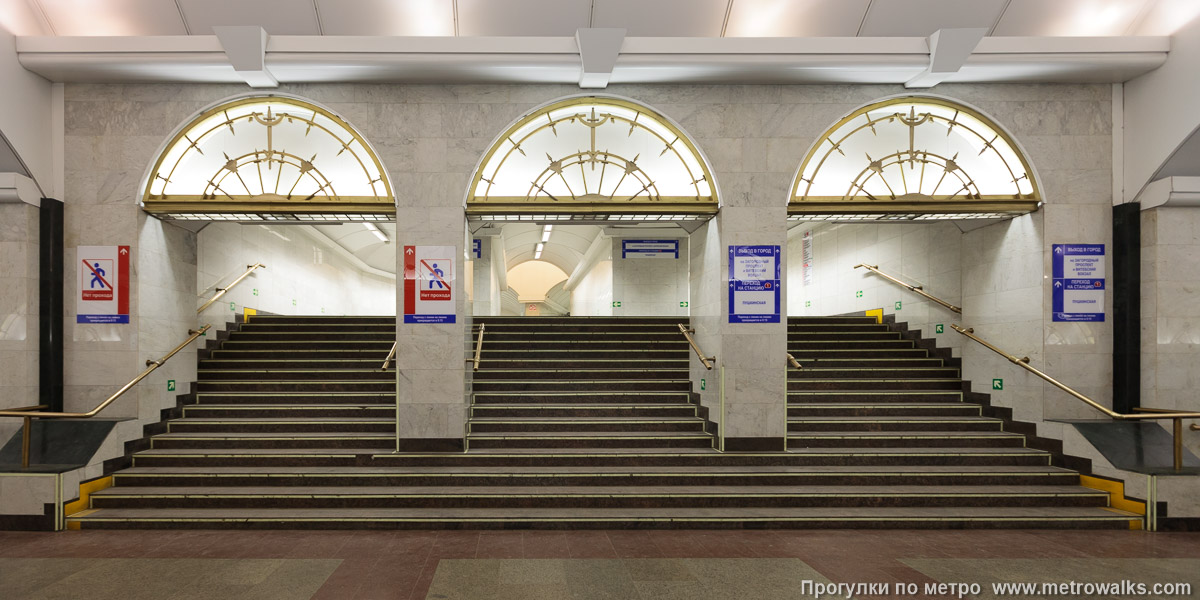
x=687, y=333
x=25, y=434
x=479, y=346
x=387, y=361
x=1177, y=435
x=792, y=361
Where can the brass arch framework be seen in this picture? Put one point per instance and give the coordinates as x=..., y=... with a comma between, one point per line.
x=268, y=158
x=590, y=156
x=914, y=158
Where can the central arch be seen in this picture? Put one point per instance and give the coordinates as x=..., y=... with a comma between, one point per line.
x=592, y=158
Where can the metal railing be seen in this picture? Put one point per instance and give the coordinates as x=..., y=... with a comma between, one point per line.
x=1146, y=414
x=222, y=291
x=391, y=354
x=478, y=347
x=706, y=360
x=913, y=288
x=792, y=361
x=29, y=413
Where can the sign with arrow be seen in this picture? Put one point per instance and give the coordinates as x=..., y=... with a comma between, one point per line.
x=103, y=288
x=1077, y=291
x=754, y=284
x=429, y=284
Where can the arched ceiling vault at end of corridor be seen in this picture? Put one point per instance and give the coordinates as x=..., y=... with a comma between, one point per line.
x=594, y=158
x=914, y=158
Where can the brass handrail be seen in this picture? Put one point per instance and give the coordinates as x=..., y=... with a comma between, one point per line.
x=479, y=346
x=915, y=288
x=687, y=333
x=391, y=354
x=29, y=415
x=1147, y=413
x=221, y=291
x=792, y=361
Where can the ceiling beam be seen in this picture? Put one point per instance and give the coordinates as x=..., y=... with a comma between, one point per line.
x=246, y=48
x=949, y=50
x=312, y=59
x=598, y=51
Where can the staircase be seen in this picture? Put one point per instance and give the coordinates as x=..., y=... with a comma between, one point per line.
x=583, y=423
x=596, y=382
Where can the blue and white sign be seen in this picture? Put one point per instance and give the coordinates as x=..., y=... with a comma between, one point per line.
x=1077, y=292
x=477, y=248
x=754, y=284
x=650, y=249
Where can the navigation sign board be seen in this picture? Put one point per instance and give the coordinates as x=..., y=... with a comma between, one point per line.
x=1077, y=287
x=477, y=248
x=754, y=284
x=649, y=248
x=806, y=257
x=103, y=289
x=429, y=284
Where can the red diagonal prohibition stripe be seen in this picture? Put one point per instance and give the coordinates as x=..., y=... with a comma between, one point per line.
x=98, y=276
x=435, y=275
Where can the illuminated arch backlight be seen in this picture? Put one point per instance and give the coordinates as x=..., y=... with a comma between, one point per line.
x=914, y=158
x=268, y=158
x=592, y=158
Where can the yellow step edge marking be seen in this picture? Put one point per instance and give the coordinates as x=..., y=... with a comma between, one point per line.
x=877, y=313
x=1116, y=495
x=85, y=490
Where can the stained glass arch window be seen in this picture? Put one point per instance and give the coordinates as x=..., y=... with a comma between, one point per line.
x=915, y=157
x=269, y=158
x=593, y=154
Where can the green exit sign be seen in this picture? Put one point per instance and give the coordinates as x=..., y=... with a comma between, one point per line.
x=807, y=303
x=616, y=304
x=170, y=385
x=232, y=306
x=703, y=384
x=858, y=294
x=255, y=291
x=997, y=384
x=683, y=304
x=939, y=328
x=897, y=305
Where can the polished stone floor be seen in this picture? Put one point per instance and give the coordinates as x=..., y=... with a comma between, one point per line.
x=571, y=565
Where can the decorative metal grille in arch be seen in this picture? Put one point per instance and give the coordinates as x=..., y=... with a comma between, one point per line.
x=269, y=158
x=918, y=158
x=593, y=155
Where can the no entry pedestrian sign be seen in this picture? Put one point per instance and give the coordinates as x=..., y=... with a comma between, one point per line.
x=429, y=284
x=102, y=294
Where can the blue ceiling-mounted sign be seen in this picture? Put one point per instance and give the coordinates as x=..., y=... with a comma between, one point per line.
x=754, y=284
x=1077, y=288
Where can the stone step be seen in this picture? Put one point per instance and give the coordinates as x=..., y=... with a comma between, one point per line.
x=571, y=345
x=509, y=411
x=589, y=476
x=591, y=439
x=905, y=439
x=801, y=397
x=869, y=363
x=305, y=335
x=627, y=518
x=273, y=411
x=706, y=457
x=493, y=497
x=893, y=423
x=278, y=374
x=560, y=386
x=303, y=353
x=802, y=346
x=501, y=426
x=284, y=424
x=313, y=386
x=646, y=372
x=303, y=320
x=884, y=409
x=591, y=396
x=881, y=384
x=279, y=347
x=233, y=440
x=872, y=372
x=387, y=398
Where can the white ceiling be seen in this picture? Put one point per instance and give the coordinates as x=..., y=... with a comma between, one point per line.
x=652, y=18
